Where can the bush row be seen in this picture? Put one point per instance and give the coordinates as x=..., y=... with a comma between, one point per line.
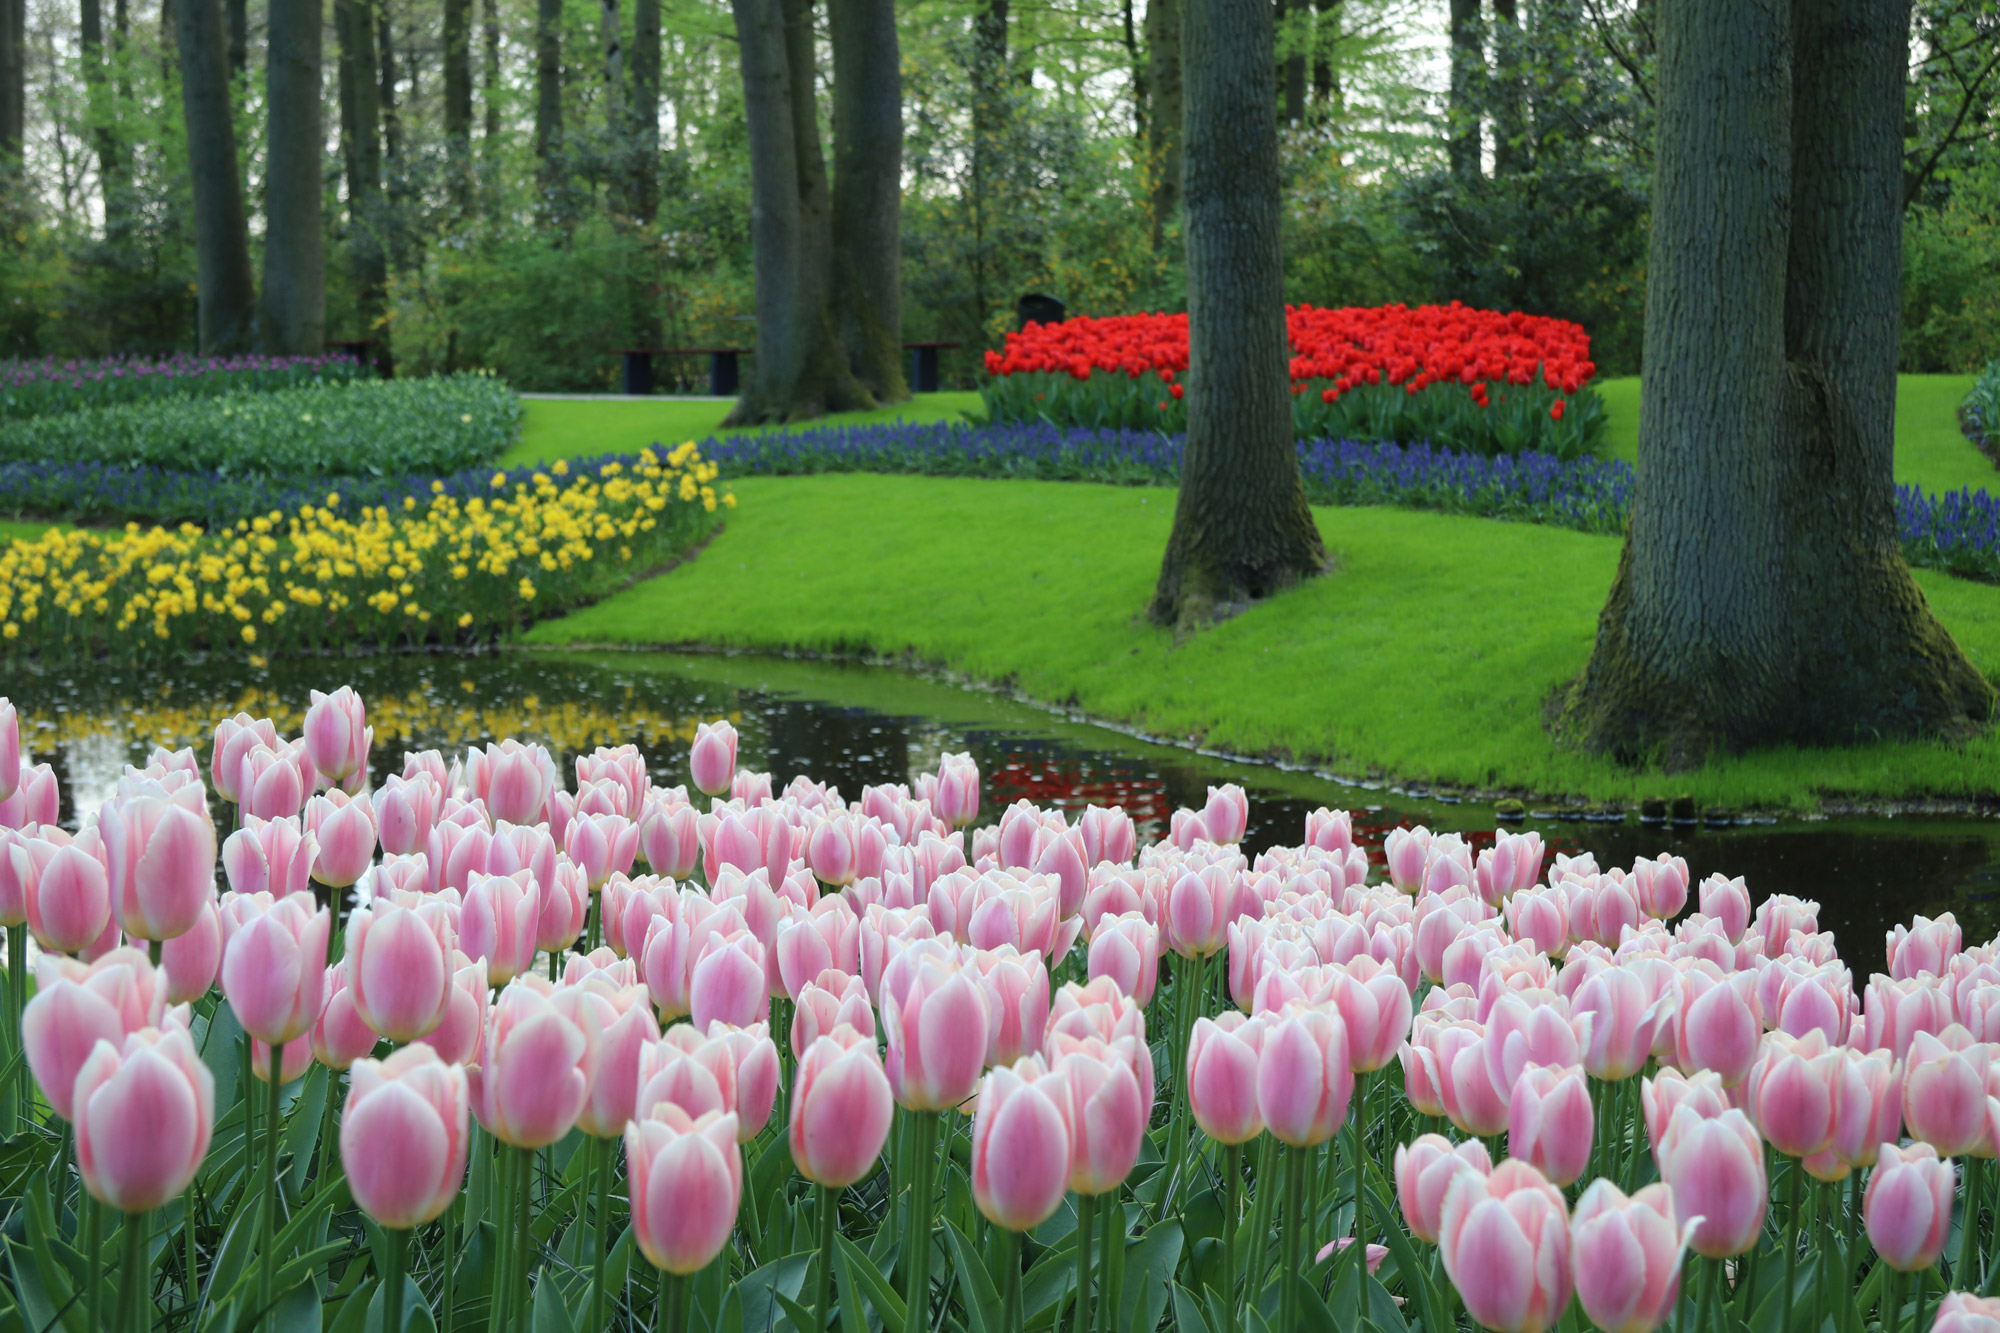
x=40, y=388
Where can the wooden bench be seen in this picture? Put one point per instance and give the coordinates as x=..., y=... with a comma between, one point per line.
x=723, y=370
x=924, y=365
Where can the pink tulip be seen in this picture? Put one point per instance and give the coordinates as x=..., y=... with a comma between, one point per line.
x=827, y=1001
x=674, y=940
x=603, y=845
x=1540, y=919
x=624, y=1031
x=1017, y=997
x=1200, y=906
x=1100, y=1011
x=500, y=922
x=1728, y=901
x=1520, y=1033
x=1626, y=1252
x=340, y=1036
x=272, y=782
x=534, y=1077
x=1504, y=1240
x=67, y=895
x=1894, y=1012
x=937, y=1036
x=10, y=749
x=337, y=735
x=1867, y=1109
x=1944, y=1093
x=686, y=1184
x=461, y=1038
x=667, y=838
x=1925, y=946
x=1064, y=861
x=1791, y=1092
x=808, y=943
x=75, y=1007
x=1715, y=1167
x=343, y=827
x=456, y=852
x=693, y=1069
x=1662, y=885
x=1425, y=1169
x=235, y=737
x=190, y=961
x=1224, y=1061
x=1907, y=1206
x=957, y=797
x=404, y=1135
x=1454, y=1056
x=37, y=799
x=528, y=847
x=274, y=969
x=1126, y=949
x=1375, y=1009
x=398, y=965
x=273, y=856
x=728, y=982
x=1549, y=1123
x=1021, y=1141
x=1108, y=835
x=405, y=810
x=1779, y=915
x=712, y=759
x=565, y=908
x=144, y=1112
x=1625, y=1022
x=832, y=851
x=514, y=780
x=1110, y=1109
x=1718, y=1025
x=621, y=764
x=1304, y=1075
x=841, y=1109
x=1662, y=1095
x=159, y=850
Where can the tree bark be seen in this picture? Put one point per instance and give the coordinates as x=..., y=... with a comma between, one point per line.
x=1326, y=35
x=1762, y=597
x=293, y=319
x=868, y=193
x=1294, y=37
x=1163, y=124
x=103, y=135
x=239, y=39
x=458, y=102
x=798, y=370
x=361, y=142
x=225, y=291
x=989, y=119
x=1468, y=65
x=548, y=94
x=1242, y=529
x=644, y=111
x=13, y=78
x=1135, y=61
x=1510, y=130
x=392, y=121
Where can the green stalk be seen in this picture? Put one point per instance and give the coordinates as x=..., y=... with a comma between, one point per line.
x=93, y=1245
x=1705, y=1315
x=1965, y=1274
x=503, y=1270
x=1360, y=1196
x=670, y=1311
x=1010, y=1282
x=245, y=1078
x=598, y=1296
x=1086, y=1208
x=447, y=1318
x=1792, y=1174
x=1296, y=1164
x=267, y=1251
x=1922, y=1279
x=923, y=1147
x=1892, y=1308
x=828, y=1205
x=525, y=1239
x=17, y=1004
x=1111, y=1264
x=594, y=914
x=1232, y=1183
x=392, y=1280
x=133, y=1299
x=1262, y=1203
x=188, y=1214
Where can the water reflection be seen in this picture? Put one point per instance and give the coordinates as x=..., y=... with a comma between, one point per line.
x=851, y=727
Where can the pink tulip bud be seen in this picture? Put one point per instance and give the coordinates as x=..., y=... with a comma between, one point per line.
x=712, y=759
x=273, y=856
x=728, y=983
x=514, y=780
x=405, y=810
x=1126, y=949
x=1790, y=1094
x=36, y=800
x=674, y=940
x=1549, y=1123
x=398, y=963
x=1475, y=1101
x=937, y=1036
x=565, y=908
x=957, y=799
x=1424, y=1172
x=1894, y=1012
x=1718, y=1025
x=1925, y=946
x=1626, y=1253
x=190, y=961
x=526, y=847
x=1329, y=830
x=808, y=943
x=1017, y=996
x=603, y=845
x=1781, y=915
x=66, y=893
x=831, y=850
x=1521, y=1032
x=1907, y=1206
x=274, y=969
x=1223, y=1062
x=690, y=1068
x=1227, y=814
x=534, y=1074
x=841, y=1109
x=1944, y=1093
x=1504, y=1240
x=144, y=1113
x=1063, y=861
x=624, y=1030
x=337, y=734
x=1407, y=851
x=10, y=749
x=755, y=1059
x=159, y=851
x=829, y=1000
x=1100, y=1011
x=499, y=924
x=1625, y=1021
x=404, y=1135
x=1200, y=906
x=1662, y=885
x=1375, y=1009
x=686, y=1184
x=1110, y=1109
x=1304, y=1078
x=1715, y=1167
x=1021, y=1145
x=339, y=1035
x=235, y=737
x=1728, y=901
x=343, y=827
x=1867, y=1112
x=1540, y=919
x=76, y=1006
x=271, y=780
x=1108, y=835
x=461, y=1038
x=667, y=838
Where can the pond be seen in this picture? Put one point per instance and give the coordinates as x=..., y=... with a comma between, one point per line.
x=852, y=726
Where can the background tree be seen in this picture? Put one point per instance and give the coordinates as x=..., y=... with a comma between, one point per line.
x=1242, y=529
x=222, y=242
x=1762, y=596
x=1163, y=119
x=868, y=193
x=293, y=314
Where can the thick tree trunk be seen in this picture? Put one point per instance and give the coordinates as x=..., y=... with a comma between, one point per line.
x=293, y=319
x=239, y=38
x=1294, y=38
x=392, y=121
x=1135, y=61
x=798, y=370
x=1510, y=130
x=1762, y=597
x=989, y=119
x=458, y=102
x=97, y=98
x=13, y=78
x=226, y=292
x=1326, y=35
x=548, y=95
x=1242, y=529
x=1163, y=125
x=361, y=136
x=868, y=193
x=1468, y=65
x=644, y=109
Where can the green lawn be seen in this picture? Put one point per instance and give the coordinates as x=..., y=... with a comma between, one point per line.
x=562, y=428
x=1427, y=655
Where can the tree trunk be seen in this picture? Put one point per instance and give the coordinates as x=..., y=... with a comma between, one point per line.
x=798, y=370
x=868, y=193
x=644, y=112
x=458, y=102
x=1468, y=64
x=989, y=118
x=1135, y=60
x=1294, y=37
x=103, y=134
x=239, y=39
x=361, y=135
x=1326, y=35
x=392, y=123
x=226, y=293
x=1510, y=130
x=614, y=65
x=13, y=78
x=293, y=319
x=1163, y=125
x=548, y=95
x=1762, y=597
x=1242, y=529
x=491, y=73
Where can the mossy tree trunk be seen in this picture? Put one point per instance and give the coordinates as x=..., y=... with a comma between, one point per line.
x=1242, y=529
x=549, y=159
x=868, y=193
x=458, y=103
x=1510, y=126
x=293, y=316
x=1163, y=119
x=1468, y=67
x=225, y=290
x=643, y=110
x=1762, y=597
x=361, y=145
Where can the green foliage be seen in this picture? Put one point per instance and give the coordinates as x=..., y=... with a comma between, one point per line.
x=38, y=388
x=368, y=427
x=1951, y=275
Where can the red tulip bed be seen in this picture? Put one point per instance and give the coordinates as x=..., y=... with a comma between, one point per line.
x=879, y=1065
x=1477, y=380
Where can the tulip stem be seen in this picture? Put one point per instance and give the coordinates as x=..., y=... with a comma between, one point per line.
x=1232, y=1184
x=1110, y=1264
x=827, y=1207
x=503, y=1272
x=598, y=1296
x=189, y=1211
x=267, y=1252
x=17, y=1003
x=670, y=1313
x=1792, y=1174
x=392, y=1279
x=1010, y=1281
x=447, y=1318
x=132, y=1283
x=1296, y=1166
x=1086, y=1210
x=525, y=1238
x=923, y=1148
x=1261, y=1203
x=93, y=1243
x=1922, y=1279
x=1966, y=1275
x=1360, y=1196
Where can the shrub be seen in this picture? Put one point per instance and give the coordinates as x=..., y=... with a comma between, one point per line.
x=38, y=388
x=363, y=428
x=1980, y=415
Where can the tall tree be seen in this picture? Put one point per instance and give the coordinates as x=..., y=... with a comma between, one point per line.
x=490, y=74
x=361, y=149
x=643, y=109
x=1510, y=129
x=385, y=50
x=13, y=78
x=458, y=102
x=1762, y=597
x=1242, y=529
x=103, y=134
x=868, y=192
x=225, y=291
x=1163, y=121
x=1326, y=36
x=1468, y=67
x=799, y=370
x=548, y=95
x=1294, y=39
x=239, y=38
x=990, y=99
x=293, y=318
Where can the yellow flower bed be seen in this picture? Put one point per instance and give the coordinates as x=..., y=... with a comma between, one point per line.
x=442, y=569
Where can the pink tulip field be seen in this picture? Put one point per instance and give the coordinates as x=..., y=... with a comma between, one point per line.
x=495, y=1045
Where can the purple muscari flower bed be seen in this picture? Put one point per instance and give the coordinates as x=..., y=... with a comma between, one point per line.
x=36, y=388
